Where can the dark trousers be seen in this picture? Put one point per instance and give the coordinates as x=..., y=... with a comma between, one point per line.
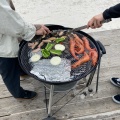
x=10, y=72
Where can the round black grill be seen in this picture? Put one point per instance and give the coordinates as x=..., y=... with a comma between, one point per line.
x=76, y=73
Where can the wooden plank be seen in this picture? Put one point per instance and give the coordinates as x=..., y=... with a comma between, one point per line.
x=33, y=84
x=113, y=115
x=107, y=37
x=30, y=84
x=7, y=105
x=73, y=110
x=35, y=109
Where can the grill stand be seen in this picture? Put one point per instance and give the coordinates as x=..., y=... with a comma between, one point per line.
x=48, y=107
x=98, y=71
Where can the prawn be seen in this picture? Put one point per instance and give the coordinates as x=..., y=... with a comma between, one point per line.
x=87, y=44
x=84, y=59
x=79, y=49
x=94, y=56
x=78, y=40
x=72, y=48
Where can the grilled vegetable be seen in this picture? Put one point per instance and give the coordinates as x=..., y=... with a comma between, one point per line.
x=56, y=52
x=61, y=39
x=49, y=46
x=59, y=47
x=55, y=60
x=35, y=58
x=45, y=53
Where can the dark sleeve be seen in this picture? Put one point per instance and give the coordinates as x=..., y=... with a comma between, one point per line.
x=112, y=12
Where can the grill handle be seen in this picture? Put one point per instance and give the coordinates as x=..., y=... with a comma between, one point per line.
x=102, y=48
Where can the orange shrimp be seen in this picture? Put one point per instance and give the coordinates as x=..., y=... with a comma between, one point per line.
x=86, y=44
x=72, y=48
x=94, y=56
x=78, y=40
x=84, y=59
x=79, y=49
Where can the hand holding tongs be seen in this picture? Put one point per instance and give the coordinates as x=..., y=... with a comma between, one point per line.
x=85, y=26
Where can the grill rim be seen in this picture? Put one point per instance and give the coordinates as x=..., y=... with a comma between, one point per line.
x=55, y=27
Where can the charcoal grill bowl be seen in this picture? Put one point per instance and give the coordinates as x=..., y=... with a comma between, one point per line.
x=65, y=85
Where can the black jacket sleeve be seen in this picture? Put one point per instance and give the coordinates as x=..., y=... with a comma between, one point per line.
x=112, y=12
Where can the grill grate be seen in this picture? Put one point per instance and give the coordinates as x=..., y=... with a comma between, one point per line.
x=75, y=73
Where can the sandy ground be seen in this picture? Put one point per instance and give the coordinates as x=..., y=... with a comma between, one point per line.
x=71, y=13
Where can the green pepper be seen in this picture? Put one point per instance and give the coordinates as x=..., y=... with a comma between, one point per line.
x=49, y=46
x=56, y=52
x=45, y=53
x=58, y=40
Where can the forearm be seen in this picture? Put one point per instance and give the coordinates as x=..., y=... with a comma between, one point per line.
x=112, y=12
x=12, y=24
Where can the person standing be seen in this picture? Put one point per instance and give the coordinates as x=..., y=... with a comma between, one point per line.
x=12, y=27
x=96, y=22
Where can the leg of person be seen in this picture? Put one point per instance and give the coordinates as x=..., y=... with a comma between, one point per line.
x=11, y=76
x=116, y=98
x=115, y=81
x=23, y=75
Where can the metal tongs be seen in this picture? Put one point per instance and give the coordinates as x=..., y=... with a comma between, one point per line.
x=85, y=26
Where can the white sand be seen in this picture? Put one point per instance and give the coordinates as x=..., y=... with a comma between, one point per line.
x=71, y=13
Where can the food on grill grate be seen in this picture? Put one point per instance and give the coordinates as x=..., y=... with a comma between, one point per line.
x=94, y=56
x=82, y=60
x=61, y=39
x=86, y=44
x=56, y=60
x=41, y=44
x=45, y=53
x=52, y=38
x=35, y=58
x=55, y=52
x=60, y=47
x=92, y=51
x=33, y=45
x=36, y=50
x=49, y=46
x=72, y=48
x=79, y=47
x=44, y=70
x=65, y=68
x=78, y=40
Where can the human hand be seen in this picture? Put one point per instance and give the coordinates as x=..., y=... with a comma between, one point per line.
x=41, y=30
x=96, y=21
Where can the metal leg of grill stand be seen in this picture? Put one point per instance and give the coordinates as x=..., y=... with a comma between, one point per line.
x=50, y=104
x=46, y=102
x=98, y=75
x=90, y=81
